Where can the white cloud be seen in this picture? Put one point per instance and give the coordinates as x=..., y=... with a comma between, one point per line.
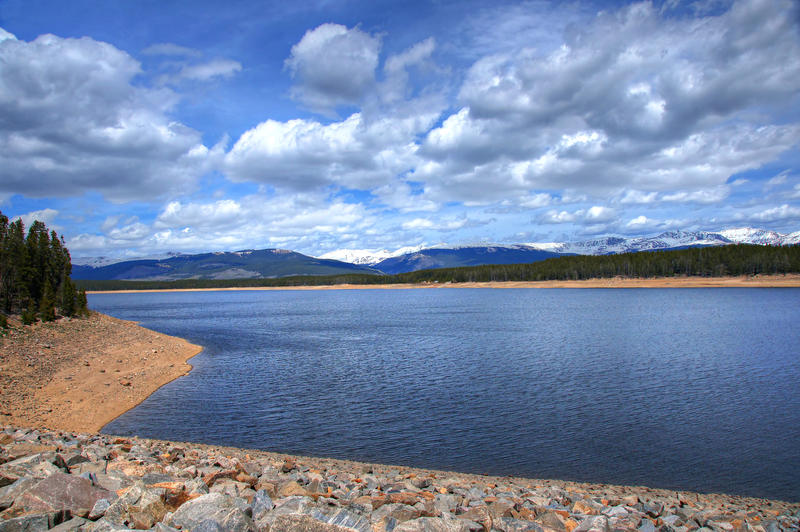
x=333, y=65
x=638, y=197
x=631, y=100
x=46, y=216
x=304, y=154
x=639, y=221
x=400, y=196
x=778, y=180
x=220, y=68
x=73, y=121
x=535, y=201
x=418, y=223
x=596, y=214
x=558, y=217
x=773, y=214
x=171, y=49
x=298, y=221
x=705, y=195
x=600, y=214
x=445, y=224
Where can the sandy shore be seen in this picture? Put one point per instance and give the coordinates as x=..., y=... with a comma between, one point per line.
x=758, y=281
x=80, y=374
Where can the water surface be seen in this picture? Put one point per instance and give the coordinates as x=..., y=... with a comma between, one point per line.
x=677, y=388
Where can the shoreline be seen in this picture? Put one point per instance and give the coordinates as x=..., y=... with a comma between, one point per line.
x=103, y=482
x=81, y=374
x=758, y=281
x=103, y=342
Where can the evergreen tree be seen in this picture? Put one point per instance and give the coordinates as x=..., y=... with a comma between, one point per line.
x=35, y=272
x=47, y=307
x=82, y=305
x=28, y=316
x=68, y=300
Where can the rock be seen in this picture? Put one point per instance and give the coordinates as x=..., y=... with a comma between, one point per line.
x=398, y=512
x=646, y=526
x=9, y=493
x=551, y=521
x=303, y=523
x=262, y=503
x=222, y=510
x=76, y=523
x=438, y=524
x=7, y=478
x=344, y=519
x=99, y=509
x=62, y=492
x=597, y=523
x=584, y=507
x=25, y=523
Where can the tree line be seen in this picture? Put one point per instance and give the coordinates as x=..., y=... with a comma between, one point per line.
x=35, y=273
x=717, y=261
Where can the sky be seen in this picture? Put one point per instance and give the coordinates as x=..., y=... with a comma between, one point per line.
x=138, y=128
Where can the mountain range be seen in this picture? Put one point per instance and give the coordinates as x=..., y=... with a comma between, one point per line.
x=268, y=263
x=247, y=264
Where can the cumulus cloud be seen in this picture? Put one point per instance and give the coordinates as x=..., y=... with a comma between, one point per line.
x=773, y=214
x=633, y=100
x=400, y=195
x=46, y=216
x=73, y=121
x=304, y=154
x=596, y=214
x=444, y=225
x=333, y=65
x=637, y=197
x=296, y=221
x=703, y=195
x=639, y=221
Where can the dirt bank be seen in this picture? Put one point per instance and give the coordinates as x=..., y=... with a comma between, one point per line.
x=79, y=374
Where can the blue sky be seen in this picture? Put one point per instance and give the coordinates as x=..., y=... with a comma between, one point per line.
x=140, y=128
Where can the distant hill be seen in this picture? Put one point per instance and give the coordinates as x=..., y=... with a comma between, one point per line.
x=248, y=264
x=426, y=259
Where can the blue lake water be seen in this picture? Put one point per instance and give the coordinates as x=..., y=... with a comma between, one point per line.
x=691, y=389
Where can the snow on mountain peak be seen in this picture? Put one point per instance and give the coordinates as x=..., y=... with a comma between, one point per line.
x=750, y=235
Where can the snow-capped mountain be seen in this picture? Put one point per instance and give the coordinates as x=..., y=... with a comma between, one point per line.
x=670, y=240
x=367, y=257
x=749, y=235
x=791, y=239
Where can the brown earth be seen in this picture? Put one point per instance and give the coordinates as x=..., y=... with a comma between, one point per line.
x=79, y=374
x=743, y=281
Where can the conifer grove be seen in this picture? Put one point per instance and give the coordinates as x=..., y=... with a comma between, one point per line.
x=35, y=274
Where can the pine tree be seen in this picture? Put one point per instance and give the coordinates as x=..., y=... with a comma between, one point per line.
x=68, y=298
x=28, y=316
x=83, y=305
x=47, y=307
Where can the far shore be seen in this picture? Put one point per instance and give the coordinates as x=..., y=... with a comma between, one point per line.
x=757, y=281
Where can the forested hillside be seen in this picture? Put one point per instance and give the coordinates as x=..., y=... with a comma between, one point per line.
x=35, y=274
x=739, y=259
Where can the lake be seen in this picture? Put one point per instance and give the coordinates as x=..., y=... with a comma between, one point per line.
x=692, y=389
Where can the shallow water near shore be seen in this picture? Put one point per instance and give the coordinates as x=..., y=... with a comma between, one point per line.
x=689, y=389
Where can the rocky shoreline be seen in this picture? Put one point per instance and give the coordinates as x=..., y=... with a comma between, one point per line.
x=72, y=481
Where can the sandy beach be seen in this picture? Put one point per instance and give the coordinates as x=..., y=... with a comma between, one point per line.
x=79, y=374
x=757, y=281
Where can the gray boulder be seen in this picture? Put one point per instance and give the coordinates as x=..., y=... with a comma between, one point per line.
x=226, y=511
x=62, y=492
